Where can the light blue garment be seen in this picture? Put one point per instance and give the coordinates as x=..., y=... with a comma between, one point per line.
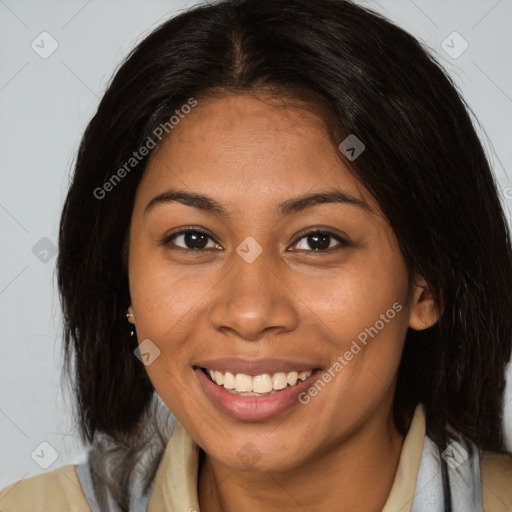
x=462, y=462
x=106, y=456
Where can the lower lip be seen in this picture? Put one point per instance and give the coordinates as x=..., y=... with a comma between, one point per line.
x=253, y=408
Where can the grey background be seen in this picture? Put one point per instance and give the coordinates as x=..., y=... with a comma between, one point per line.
x=45, y=105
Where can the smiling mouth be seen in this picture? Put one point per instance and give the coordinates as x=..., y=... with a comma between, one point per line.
x=265, y=384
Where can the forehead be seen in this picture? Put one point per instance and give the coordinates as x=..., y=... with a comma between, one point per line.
x=248, y=150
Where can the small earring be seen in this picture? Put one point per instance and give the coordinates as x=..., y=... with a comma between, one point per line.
x=131, y=326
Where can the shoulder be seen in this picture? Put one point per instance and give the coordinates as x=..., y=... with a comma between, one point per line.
x=496, y=473
x=54, y=491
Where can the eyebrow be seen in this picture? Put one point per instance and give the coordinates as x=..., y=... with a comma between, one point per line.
x=297, y=204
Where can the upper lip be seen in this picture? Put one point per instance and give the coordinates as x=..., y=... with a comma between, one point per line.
x=256, y=366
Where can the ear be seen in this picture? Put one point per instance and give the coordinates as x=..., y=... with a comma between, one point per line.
x=131, y=318
x=424, y=313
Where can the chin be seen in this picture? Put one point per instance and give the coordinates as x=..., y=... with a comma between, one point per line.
x=260, y=458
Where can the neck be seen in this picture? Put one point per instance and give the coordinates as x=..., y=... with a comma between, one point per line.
x=354, y=474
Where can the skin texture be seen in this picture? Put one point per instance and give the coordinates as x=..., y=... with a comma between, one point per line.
x=341, y=450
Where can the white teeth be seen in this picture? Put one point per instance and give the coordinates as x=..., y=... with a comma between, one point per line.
x=304, y=375
x=262, y=383
x=279, y=380
x=265, y=384
x=218, y=377
x=243, y=382
x=229, y=381
x=291, y=378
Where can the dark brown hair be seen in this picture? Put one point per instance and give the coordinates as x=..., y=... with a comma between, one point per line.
x=423, y=163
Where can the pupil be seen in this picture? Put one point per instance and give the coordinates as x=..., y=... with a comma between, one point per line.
x=322, y=239
x=193, y=237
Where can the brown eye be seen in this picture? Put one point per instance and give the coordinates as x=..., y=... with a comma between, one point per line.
x=193, y=240
x=320, y=241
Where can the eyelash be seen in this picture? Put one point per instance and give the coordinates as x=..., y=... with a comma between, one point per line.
x=167, y=241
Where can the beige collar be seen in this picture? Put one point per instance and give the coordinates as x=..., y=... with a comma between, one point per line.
x=175, y=486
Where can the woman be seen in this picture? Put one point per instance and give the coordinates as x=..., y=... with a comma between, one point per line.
x=284, y=270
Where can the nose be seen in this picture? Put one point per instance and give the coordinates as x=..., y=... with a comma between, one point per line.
x=253, y=300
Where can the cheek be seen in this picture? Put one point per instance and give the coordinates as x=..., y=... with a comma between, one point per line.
x=163, y=295
x=362, y=312
x=365, y=327
x=166, y=309
x=350, y=299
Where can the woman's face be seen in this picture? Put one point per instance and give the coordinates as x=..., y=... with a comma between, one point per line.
x=252, y=293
